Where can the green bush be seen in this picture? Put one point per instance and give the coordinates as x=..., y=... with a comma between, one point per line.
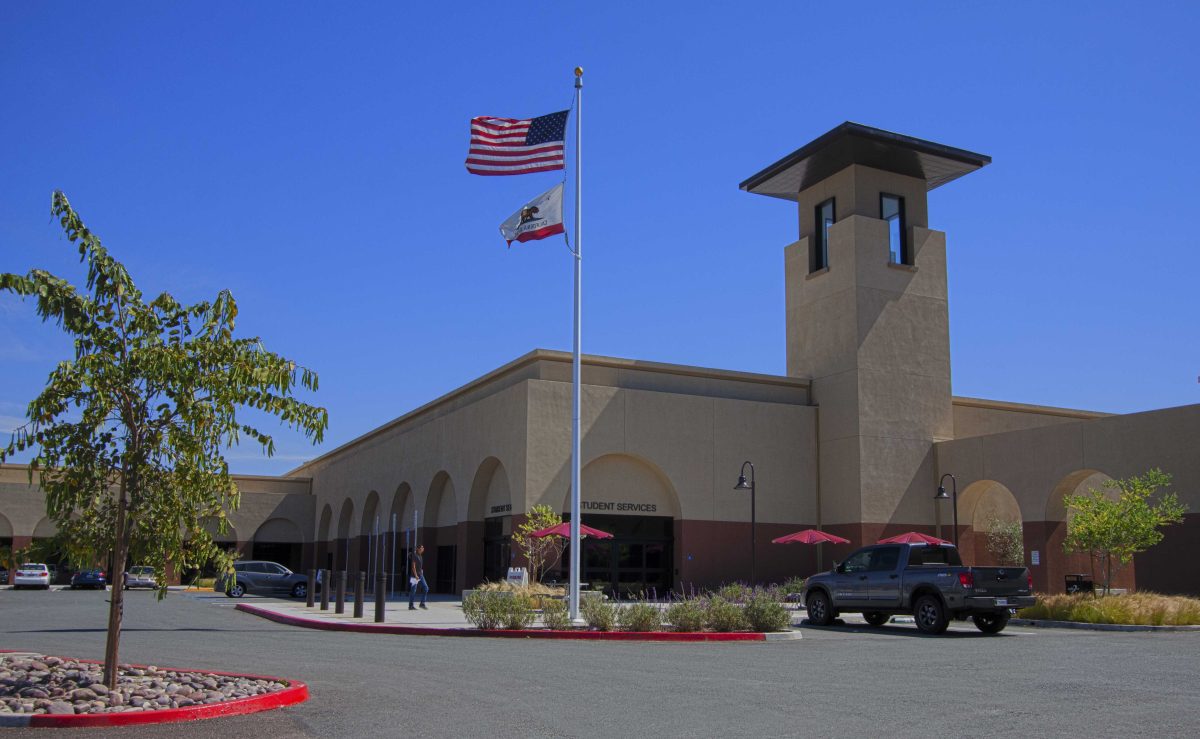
x=734, y=592
x=599, y=613
x=554, y=614
x=686, y=615
x=497, y=610
x=484, y=609
x=721, y=615
x=1141, y=609
x=793, y=586
x=764, y=613
x=640, y=617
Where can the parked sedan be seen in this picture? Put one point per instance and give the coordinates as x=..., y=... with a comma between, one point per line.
x=3, y=576
x=140, y=577
x=88, y=579
x=32, y=575
x=263, y=578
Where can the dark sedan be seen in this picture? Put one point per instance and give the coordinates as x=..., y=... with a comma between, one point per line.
x=88, y=579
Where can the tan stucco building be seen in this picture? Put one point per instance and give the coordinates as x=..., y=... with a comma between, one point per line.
x=853, y=439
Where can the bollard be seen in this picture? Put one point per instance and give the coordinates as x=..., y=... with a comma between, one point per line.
x=380, y=595
x=340, y=605
x=325, y=590
x=312, y=593
x=360, y=588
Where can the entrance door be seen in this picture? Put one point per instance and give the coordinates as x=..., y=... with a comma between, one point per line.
x=447, y=564
x=635, y=562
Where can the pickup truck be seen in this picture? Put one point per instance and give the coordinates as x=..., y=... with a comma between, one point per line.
x=927, y=580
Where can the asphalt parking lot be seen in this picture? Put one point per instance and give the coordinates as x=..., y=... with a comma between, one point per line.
x=835, y=681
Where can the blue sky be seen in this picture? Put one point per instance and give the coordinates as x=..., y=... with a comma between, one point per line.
x=309, y=157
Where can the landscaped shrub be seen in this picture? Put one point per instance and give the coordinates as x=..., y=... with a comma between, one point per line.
x=735, y=592
x=764, y=613
x=533, y=588
x=485, y=609
x=640, y=617
x=1141, y=609
x=517, y=613
x=599, y=613
x=721, y=615
x=792, y=588
x=555, y=615
x=686, y=615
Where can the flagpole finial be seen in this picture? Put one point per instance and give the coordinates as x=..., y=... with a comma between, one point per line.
x=579, y=71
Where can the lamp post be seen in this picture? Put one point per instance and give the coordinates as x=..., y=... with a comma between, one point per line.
x=742, y=485
x=941, y=495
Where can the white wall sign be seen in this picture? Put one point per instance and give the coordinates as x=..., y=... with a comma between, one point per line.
x=1035, y=557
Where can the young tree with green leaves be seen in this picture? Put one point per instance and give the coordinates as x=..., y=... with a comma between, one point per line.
x=129, y=434
x=1112, y=530
x=540, y=553
x=1005, y=541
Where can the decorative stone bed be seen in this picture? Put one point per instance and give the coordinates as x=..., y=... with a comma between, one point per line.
x=38, y=690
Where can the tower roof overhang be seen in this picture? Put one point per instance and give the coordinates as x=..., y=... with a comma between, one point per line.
x=854, y=143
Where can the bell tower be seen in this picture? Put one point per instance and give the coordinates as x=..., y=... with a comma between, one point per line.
x=867, y=317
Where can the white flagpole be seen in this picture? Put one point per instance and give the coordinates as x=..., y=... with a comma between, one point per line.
x=576, y=512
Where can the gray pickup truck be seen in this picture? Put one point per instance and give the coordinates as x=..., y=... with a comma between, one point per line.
x=927, y=580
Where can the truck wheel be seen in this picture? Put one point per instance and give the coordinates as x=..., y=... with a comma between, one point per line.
x=990, y=623
x=930, y=615
x=820, y=613
x=875, y=618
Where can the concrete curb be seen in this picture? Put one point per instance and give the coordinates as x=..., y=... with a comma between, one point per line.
x=1042, y=623
x=296, y=692
x=373, y=628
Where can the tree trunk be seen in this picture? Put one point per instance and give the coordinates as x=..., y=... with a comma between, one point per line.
x=116, y=603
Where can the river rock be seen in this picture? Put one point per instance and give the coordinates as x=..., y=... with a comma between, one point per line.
x=60, y=708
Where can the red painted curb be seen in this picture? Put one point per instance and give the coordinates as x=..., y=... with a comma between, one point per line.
x=372, y=628
x=296, y=692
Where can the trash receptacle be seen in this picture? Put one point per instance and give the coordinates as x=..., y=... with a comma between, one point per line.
x=1080, y=584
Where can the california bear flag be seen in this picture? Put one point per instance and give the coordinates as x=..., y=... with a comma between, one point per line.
x=537, y=219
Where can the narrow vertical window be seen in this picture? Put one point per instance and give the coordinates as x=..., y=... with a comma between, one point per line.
x=891, y=209
x=824, y=219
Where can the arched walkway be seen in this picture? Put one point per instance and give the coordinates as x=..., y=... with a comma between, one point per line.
x=489, y=524
x=324, y=544
x=988, y=506
x=341, y=549
x=1054, y=533
x=440, y=536
x=370, y=524
x=279, y=540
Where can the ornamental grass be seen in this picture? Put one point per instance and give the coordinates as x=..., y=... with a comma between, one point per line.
x=1134, y=609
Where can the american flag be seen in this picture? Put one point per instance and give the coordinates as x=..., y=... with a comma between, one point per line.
x=501, y=146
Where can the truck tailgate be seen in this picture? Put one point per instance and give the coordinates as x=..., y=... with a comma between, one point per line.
x=1001, y=580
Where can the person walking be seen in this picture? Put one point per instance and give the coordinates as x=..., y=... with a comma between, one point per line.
x=416, y=578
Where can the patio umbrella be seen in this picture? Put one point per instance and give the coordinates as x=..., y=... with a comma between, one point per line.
x=564, y=530
x=810, y=536
x=913, y=537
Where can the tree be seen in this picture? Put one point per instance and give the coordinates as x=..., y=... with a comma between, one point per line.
x=1005, y=541
x=541, y=553
x=1112, y=530
x=130, y=433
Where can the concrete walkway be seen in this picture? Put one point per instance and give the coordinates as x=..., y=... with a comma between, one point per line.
x=443, y=612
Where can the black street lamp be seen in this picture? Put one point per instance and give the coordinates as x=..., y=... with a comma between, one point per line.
x=742, y=485
x=941, y=495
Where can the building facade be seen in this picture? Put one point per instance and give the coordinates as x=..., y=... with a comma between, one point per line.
x=854, y=438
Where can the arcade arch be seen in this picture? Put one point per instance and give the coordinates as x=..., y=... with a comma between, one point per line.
x=279, y=540
x=324, y=545
x=440, y=530
x=490, y=507
x=982, y=505
x=341, y=548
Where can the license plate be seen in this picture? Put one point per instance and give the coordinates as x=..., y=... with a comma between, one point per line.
x=1002, y=601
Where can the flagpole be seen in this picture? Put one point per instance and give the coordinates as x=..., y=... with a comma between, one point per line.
x=576, y=508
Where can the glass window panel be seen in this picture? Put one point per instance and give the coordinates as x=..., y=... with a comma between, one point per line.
x=629, y=555
x=655, y=556
x=597, y=554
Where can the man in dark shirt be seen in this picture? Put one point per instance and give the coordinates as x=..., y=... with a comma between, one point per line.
x=416, y=578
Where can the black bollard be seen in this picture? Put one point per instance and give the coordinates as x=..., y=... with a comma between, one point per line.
x=340, y=605
x=312, y=594
x=380, y=596
x=360, y=589
x=324, y=590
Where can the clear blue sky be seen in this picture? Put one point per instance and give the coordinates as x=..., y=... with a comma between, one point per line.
x=309, y=157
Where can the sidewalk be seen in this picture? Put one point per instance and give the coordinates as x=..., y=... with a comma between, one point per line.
x=444, y=612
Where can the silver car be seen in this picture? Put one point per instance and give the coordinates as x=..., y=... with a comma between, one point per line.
x=140, y=576
x=262, y=578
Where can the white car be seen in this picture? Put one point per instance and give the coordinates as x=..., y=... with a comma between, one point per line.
x=140, y=577
x=32, y=575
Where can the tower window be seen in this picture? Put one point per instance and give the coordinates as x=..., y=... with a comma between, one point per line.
x=825, y=216
x=891, y=209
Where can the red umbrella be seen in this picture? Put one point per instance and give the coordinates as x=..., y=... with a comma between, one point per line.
x=564, y=530
x=913, y=537
x=810, y=536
